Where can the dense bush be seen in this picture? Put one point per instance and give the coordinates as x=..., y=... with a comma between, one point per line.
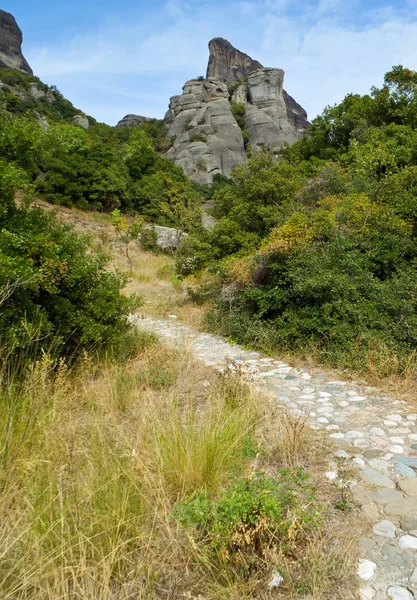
x=53, y=291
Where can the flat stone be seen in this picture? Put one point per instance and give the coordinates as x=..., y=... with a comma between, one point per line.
x=385, y=529
x=370, y=512
x=408, y=486
x=377, y=431
x=366, y=569
x=405, y=471
x=367, y=543
x=408, y=542
x=394, y=418
x=405, y=460
x=413, y=578
x=396, y=592
x=409, y=523
x=350, y=435
x=413, y=436
x=369, y=454
x=373, y=477
x=385, y=497
x=380, y=465
x=392, y=554
x=397, y=449
x=401, y=507
x=366, y=593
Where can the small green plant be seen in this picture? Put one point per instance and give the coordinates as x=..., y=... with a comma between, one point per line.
x=253, y=516
x=198, y=137
x=126, y=231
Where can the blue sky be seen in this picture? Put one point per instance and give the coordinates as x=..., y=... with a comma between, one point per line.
x=112, y=58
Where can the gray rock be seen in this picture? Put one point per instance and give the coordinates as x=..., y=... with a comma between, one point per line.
x=409, y=523
x=408, y=542
x=207, y=137
x=130, y=120
x=413, y=578
x=401, y=507
x=405, y=471
x=168, y=238
x=266, y=116
x=227, y=63
x=11, y=44
x=82, y=121
x=404, y=460
x=396, y=592
x=409, y=487
x=385, y=529
x=373, y=477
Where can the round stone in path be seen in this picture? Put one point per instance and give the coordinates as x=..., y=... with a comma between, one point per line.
x=366, y=569
x=408, y=542
x=396, y=592
x=385, y=529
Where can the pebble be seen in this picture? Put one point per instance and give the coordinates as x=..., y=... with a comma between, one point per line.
x=367, y=593
x=408, y=542
x=366, y=569
x=276, y=581
x=377, y=431
x=396, y=592
x=385, y=529
x=331, y=475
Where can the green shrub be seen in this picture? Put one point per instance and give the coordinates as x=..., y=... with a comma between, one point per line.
x=251, y=517
x=198, y=137
x=53, y=291
x=238, y=111
x=148, y=240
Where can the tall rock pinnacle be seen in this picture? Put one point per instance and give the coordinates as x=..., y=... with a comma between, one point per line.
x=229, y=64
x=208, y=137
x=11, y=44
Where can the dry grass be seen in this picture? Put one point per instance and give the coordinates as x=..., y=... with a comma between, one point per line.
x=92, y=462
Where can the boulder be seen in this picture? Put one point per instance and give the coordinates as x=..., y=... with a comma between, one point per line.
x=11, y=39
x=82, y=121
x=130, y=120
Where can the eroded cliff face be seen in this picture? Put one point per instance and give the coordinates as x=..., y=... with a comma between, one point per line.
x=207, y=137
x=229, y=64
x=11, y=44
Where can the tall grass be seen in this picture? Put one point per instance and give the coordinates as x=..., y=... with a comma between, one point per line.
x=92, y=461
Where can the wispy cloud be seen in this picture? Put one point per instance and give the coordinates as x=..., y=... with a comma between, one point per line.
x=327, y=48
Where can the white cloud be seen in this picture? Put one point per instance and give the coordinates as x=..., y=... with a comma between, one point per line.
x=325, y=51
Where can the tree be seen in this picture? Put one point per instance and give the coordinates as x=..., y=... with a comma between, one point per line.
x=126, y=231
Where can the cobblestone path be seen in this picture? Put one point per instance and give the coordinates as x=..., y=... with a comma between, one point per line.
x=375, y=431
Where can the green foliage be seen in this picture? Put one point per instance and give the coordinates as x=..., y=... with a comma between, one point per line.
x=53, y=291
x=198, y=137
x=238, y=111
x=251, y=517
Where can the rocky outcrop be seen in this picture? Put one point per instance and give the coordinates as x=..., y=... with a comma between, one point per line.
x=81, y=121
x=269, y=119
x=229, y=64
x=11, y=44
x=129, y=120
x=207, y=138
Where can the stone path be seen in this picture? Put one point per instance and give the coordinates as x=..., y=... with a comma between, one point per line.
x=375, y=431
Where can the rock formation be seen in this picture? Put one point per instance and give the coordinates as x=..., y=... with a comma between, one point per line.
x=81, y=121
x=229, y=64
x=11, y=44
x=207, y=137
x=129, y=120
